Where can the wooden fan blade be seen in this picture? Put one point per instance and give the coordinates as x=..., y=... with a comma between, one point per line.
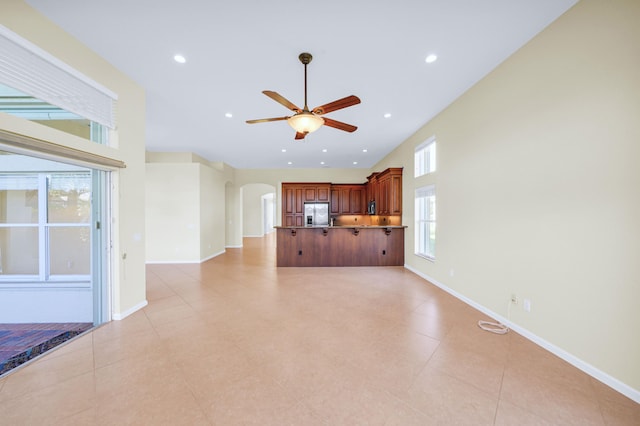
x=265, y=120
x=281, y=100
x=339, y=125
x=336, y=105
x=300, y=135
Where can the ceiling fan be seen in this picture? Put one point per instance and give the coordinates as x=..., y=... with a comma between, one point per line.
x=305, y=121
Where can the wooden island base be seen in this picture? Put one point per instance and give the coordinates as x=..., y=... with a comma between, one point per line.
x=340, y=246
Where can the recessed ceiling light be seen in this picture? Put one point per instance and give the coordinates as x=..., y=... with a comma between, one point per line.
x=322, y=162
x=284, y=150
x=387, y=115
x=364, y=150
x=290, y=163
x=324, y=150
x=431, y=58
x=228, y=115
x=180, y=59
x=355, y=162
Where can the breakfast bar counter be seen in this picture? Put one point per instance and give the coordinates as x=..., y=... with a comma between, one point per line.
x=356, y=245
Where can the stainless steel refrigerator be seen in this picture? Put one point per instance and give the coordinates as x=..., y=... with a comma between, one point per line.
x=316, y=214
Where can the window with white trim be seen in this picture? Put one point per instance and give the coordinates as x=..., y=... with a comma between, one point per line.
x=425, y=238
x=425, y=157
x=45, y=226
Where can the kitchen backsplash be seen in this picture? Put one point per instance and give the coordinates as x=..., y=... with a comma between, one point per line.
x=368, y=220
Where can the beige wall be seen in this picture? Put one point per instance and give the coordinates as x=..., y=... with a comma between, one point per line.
x=252, y=209
x=185, y=208
x=233, y=214
x=172, y=212
x=212, y=212
x=128, y=195
x=537, y=188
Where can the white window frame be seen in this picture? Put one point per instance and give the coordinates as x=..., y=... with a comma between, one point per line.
x=43, y=225
x=425, y=157
x=425, y=216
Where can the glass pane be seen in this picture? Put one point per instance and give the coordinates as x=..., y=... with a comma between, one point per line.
x=21, y=105
x=19, y=250
x=425, y=160
x=18, y=198
x=69, y=198
x=432, y=208
x=432, y=239
x=417, y=160
x=70, y=250
x=432, y=157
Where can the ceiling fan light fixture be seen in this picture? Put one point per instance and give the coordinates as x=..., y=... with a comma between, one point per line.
x=305, y=122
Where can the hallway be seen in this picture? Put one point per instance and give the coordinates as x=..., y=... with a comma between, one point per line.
x=236, y=340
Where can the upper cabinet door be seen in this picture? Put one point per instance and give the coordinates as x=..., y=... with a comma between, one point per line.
x=323, y=193
x=309, y=193
x=395, y=195
x=357, y=199
x=334, y=206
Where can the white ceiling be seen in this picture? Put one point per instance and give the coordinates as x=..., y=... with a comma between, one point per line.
x=235, y=49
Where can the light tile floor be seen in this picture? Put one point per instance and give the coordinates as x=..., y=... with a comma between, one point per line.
x=237, y=341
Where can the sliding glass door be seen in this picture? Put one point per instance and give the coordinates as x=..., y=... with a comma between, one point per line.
x=53, y=241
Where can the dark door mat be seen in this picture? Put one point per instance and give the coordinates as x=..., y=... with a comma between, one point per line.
x=45, y=337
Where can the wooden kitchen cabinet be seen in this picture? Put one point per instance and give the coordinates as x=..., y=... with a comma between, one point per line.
x=395, y=194
x=357, y=199
x=323, y=192
x=348, y=199
x=372, y=187
x=334, y=204
x=385, y=188
x=294, y=195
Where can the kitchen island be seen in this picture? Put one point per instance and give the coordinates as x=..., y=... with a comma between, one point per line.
x=357, y=245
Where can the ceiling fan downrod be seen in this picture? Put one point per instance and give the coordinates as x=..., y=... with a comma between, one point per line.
x=305, y=58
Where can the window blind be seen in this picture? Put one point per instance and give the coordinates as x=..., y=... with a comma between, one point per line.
x=29, y=69
x=18, y=182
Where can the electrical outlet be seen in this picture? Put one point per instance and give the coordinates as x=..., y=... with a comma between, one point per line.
x=514, y=299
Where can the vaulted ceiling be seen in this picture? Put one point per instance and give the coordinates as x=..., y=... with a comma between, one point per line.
x=234, y=50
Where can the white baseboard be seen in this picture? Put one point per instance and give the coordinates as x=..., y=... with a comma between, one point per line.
x=589, y=369
x=190, y=262
x=253, y=236
x=238, y=246
x=123, y=315
x=213, y=255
